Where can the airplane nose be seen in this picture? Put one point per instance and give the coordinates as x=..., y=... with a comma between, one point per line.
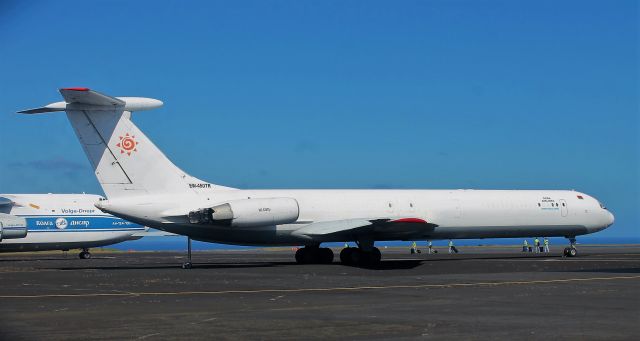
x=610, y=219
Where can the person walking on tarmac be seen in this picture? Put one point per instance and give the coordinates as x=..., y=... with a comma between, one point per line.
x=430, y=246
x=536, y=245
x=452, y=248
x=414, y=248
x=525, y=246
x=546, y=245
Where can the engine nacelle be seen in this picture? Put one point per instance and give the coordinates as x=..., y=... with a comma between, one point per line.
x=12, y=227
x=248, y=213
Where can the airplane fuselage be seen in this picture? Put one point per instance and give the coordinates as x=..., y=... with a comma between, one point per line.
x=63, y=222
x=144, y=186
x=452, y=214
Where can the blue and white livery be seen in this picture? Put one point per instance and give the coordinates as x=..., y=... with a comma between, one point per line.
x=63, y=222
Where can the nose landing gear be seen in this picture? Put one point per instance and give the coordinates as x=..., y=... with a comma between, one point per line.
x=571, y=251
x=84, y=254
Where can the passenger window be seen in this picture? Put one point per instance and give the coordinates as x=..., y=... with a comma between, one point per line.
x=538, y=204
x=563, y=204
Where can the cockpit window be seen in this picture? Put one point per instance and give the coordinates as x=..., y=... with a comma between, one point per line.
x=602, y=206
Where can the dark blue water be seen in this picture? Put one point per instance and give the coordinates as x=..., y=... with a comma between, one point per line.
x=178, y=243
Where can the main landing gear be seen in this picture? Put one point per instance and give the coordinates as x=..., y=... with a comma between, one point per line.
x=364, y=255
x=571, y=251
x=188, y=264
x=314, y=255
x=84, y=254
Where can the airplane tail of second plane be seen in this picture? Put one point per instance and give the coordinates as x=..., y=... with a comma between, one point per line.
x=125, y=160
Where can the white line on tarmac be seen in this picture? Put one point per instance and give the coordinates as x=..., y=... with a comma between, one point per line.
x=334, y=289
x=559, y=259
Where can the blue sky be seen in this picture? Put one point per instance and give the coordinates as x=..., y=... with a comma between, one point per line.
x=339, y=94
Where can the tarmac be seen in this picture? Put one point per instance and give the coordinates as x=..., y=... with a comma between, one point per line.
x=480, y=293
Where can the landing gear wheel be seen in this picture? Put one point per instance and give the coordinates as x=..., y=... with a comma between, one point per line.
x=187, y=265
x=570, y=252
x=300, y=256
x=345, y=255
x=326, y=255
x=358, y=257
x=375, y=256
x=314, y=255
x=355, y=258
x=85, y=255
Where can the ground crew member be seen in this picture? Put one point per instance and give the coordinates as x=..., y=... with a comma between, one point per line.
x=536, y=243
x=430, y=245
x=452, y=248
x=414, y=248
x=546, y=245
x=525, y=246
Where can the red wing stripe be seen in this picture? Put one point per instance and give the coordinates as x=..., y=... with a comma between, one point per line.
x=409, y=220
x=76, y=89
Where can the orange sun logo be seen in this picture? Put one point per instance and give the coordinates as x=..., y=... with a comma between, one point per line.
x=127, y=144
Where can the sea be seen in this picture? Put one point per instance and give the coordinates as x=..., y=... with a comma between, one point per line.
x=179, y=243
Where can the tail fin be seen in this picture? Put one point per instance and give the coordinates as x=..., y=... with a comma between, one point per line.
x=125, y=161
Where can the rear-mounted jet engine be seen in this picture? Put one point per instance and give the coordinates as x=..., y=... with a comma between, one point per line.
x=248, y=213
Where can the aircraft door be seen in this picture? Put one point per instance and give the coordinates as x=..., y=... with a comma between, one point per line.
x=564, y=210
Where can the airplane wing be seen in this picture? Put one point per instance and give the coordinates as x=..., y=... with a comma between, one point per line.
x=401, y=228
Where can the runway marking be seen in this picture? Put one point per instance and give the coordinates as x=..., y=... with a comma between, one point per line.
x=359, y=288
x=562, y=260
x=590, y=260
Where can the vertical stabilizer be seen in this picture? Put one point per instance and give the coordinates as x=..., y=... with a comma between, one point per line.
x=125, y=161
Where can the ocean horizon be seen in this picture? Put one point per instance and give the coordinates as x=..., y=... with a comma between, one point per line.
x=179, y=243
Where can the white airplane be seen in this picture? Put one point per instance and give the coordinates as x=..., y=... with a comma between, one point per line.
x=142, y=185
x=61, y=222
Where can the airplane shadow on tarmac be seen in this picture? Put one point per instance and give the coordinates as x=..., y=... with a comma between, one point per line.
x=395, y=264
x=384, y=265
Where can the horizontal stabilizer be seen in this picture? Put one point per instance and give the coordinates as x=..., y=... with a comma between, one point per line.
x=80, y=99
x=53, y=107
x=88, y=96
